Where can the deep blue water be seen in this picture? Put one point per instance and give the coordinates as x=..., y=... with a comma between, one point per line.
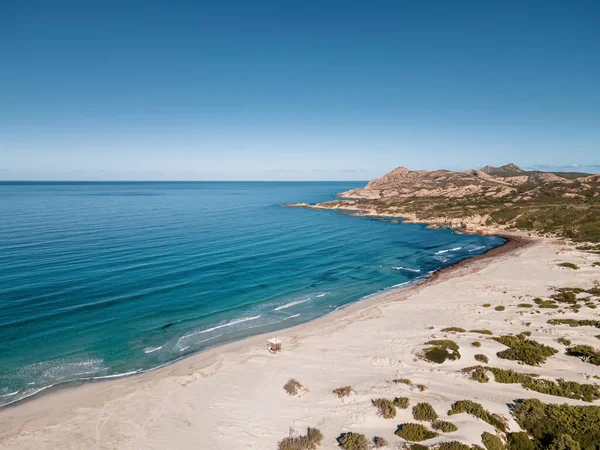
x=100, y=279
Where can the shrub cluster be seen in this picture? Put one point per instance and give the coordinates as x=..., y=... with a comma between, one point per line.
x=424, y=411
x=484, y=331
x=353, y=441
x=525, y=350
x=492, y=442
x=454, y=445
x=475, y=409
x=486, y=305
x=343, y=391
x=453, y=330
x=476, y=344
x=401, y=402
x=481, y=358
x=442, y=350
x=402, y=381
x=545, y=303
x=569, y=265
x=587, y=353
x=310, y=441
x=292, y=387
x=549, y=423
x=575, y=323
x=564, y=341
x=443, y=426
x=525, y=305
x=414, y=432
x=385, y=406
x=559, y=388
x=500, y=308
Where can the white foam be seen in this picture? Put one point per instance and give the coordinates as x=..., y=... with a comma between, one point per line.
x=321, y=295
x=476, y=248
x=448, y=250
x=228, y=324
x=9, y=394
x=407, y=269
x=151, y=349
x=290, y=304
x=291, y=317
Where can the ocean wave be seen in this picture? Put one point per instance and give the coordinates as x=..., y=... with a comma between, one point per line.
x=227, y=324
x=321, y=295
x=290, y=304
x=447, y=250
x=152, y=349
x=407, y=269
x=476, y=248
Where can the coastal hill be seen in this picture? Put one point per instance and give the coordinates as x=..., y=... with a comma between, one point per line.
x=555, y=203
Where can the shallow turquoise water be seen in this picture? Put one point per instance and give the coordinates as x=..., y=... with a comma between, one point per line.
x=102, y=279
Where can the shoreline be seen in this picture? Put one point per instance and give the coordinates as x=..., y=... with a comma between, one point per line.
x=512, y=243
x=231, y=396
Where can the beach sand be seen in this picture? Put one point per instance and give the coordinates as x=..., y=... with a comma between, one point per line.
x=231, y=397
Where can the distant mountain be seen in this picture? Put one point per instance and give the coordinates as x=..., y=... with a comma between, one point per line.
x=560, y=203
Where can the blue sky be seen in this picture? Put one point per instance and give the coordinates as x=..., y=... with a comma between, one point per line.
x=289, y=90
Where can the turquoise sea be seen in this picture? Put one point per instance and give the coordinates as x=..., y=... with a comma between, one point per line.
x=103, y=279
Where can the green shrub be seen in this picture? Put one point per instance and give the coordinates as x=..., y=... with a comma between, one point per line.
x=564, y=341
x=292, y=387
x=500, y=308
x=547, y=422
x=402, y=381
x=525, y=350
x=481, y=358
x=486, y=305
x=476, y=344
x=310, y=441
x=492, y=442
x=546, y=303
x=566, y=295
x=401, y=402
x=343, y=391
x=484, y=331
x=454, y=445
x=475, y=409
x=414, y=432
x=559, y=388
x=480, y=375
x=416, y=447
x=575, y=323
x=564, y=442
x=569, y=265
x=424, y=411
x=520, y=441
x=442, y=350
x=379, y=442
x=353, y=441
x=590, y=305
x=443, y=426
x=525, y=305
x=453, y=330
x=386, y=407
x=587, y=353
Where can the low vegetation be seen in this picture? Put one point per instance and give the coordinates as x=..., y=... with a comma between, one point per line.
x=484, y=331
x=454, y=445
x=476, y=344
x=443, y=426
x=310, y=441
x=414, y=432
x=402, y=381
x=401, y=402
x=492, y=442
x=500, y=308
x=385, y=406
x=441, y=350
x=525, y=350
x=569, y=265
x=586, y=353
x=550, y=424
x=293, y=387
x=545, y=303
x=353, y=441
x=575, y=323
x=344, y=391
x=564, y=341
x=424, y=412
x=453, y=330
x=525, y=305
x=476, y=410
x=481, y=358
x=486, y=305
x=559, y=388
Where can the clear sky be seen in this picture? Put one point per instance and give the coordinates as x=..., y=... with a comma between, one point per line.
x=288, y=90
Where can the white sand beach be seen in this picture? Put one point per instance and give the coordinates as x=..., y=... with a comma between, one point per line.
x=231, y=397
